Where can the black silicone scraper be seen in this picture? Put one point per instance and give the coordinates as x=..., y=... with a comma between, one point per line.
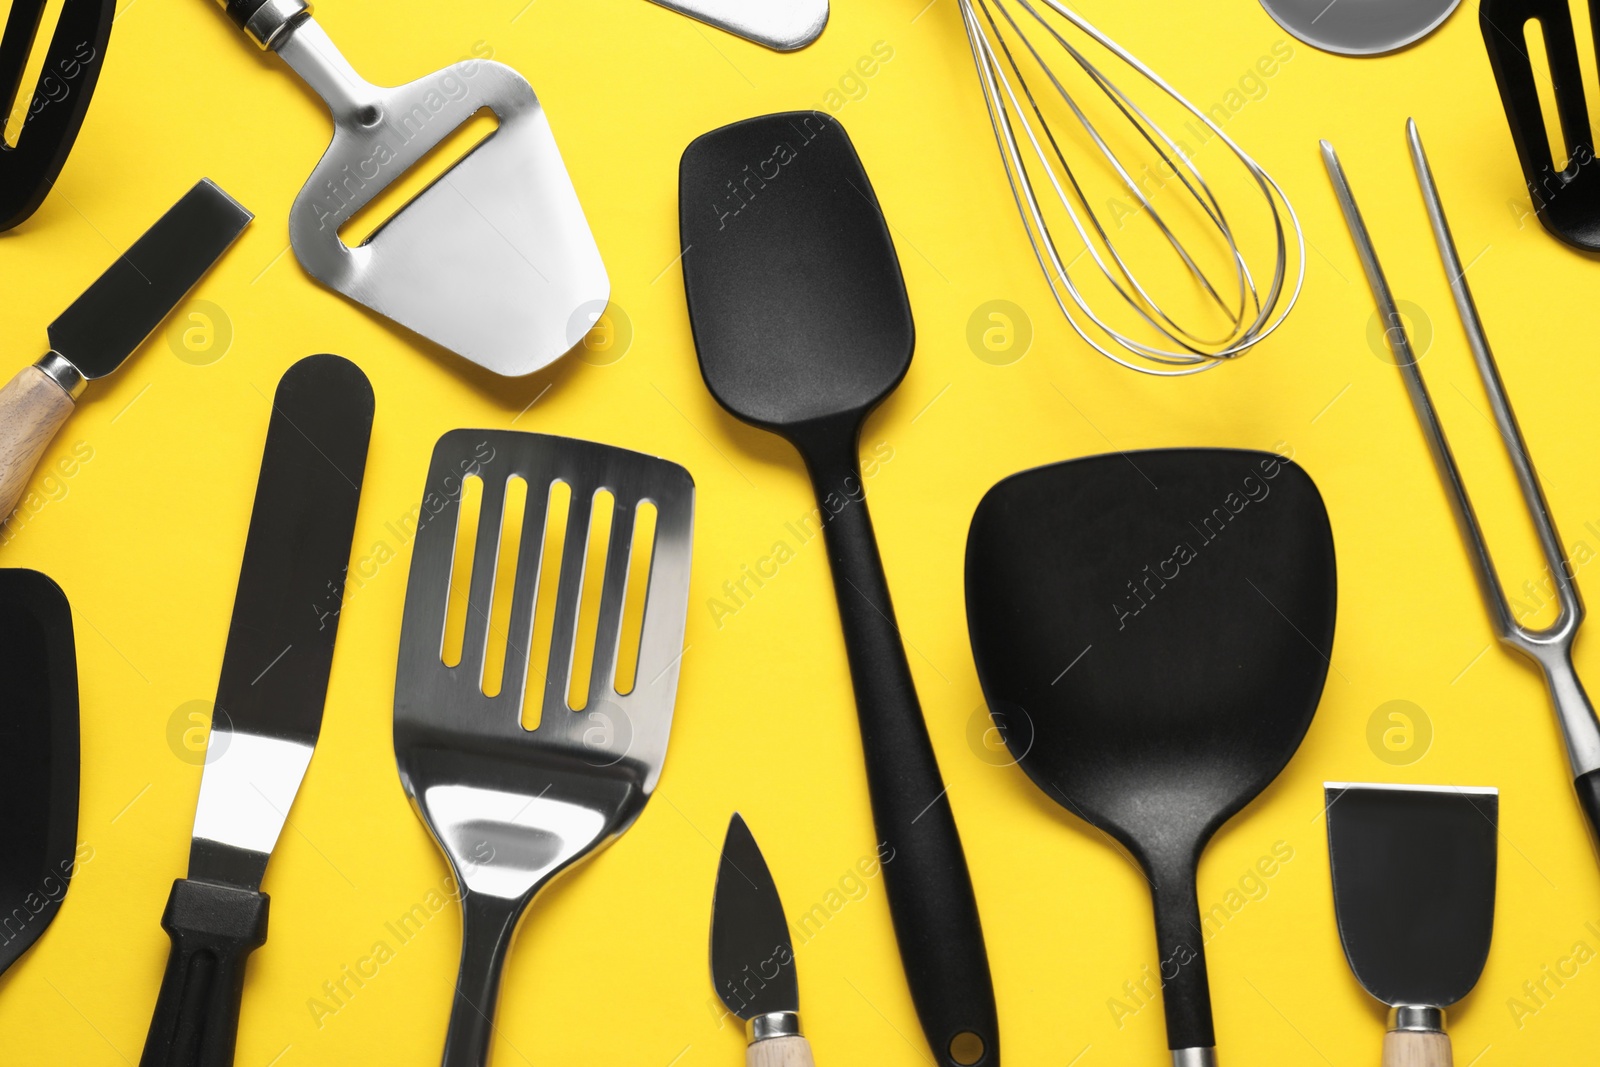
x=38, y=758
x=270, y=698
x=1414, y=888
x=1152, y=632
x=803, y=327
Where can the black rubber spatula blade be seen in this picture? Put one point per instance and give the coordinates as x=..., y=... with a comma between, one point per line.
x=1153, y=628
x=38, y=757
x=1414, y=887
x=794, y=289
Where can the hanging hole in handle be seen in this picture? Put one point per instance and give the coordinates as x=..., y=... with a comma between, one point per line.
x=967, y=1048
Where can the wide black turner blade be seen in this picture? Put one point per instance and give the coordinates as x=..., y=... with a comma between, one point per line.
x=1414, y=888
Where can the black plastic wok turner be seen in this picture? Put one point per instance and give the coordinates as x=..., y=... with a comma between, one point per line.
x=802, y=324
x=38, y=757
x=1152, y=633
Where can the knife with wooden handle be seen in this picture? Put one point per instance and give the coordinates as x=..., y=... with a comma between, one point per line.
x=105, y=325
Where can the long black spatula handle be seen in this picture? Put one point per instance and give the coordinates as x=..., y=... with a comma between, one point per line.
x=214, y=928
x=1185, y=986
x=925, y=870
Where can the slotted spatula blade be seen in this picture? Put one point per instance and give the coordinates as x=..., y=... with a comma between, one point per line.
x=55, y=112
x=494, y=260
x=512, y=807
x=1566, y=201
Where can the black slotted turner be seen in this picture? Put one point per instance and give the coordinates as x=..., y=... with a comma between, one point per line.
x=1151, y=632
x=1567, y=201
x=59, y=102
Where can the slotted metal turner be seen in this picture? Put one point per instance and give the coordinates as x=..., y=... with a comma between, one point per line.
x=494, y=260
x=512, y=808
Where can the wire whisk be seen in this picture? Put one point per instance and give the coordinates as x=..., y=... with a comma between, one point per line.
x=1221, y=320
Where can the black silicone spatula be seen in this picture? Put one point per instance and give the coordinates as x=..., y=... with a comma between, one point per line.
x=1152, y=634
x=38, y=757
x=1414, y=887
x=803, y=327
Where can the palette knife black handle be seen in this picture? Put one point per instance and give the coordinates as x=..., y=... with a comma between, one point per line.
x=214, y=928
x=930, y=893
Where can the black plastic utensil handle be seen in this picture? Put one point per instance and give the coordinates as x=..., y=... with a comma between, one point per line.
x=487, y=924
x=930, y=893
x=1185, y=987
x=1589, y=796
x=214, y=928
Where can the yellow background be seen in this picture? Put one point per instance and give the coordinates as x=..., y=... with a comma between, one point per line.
x=610, y=968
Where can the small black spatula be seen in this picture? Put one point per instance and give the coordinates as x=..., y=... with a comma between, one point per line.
x=1414, y=887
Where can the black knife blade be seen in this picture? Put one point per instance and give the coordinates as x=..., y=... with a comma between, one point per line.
x=752, y=959
x=269, y=706
x=112, y=318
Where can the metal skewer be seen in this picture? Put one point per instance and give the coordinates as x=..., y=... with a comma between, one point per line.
x=1550, y=647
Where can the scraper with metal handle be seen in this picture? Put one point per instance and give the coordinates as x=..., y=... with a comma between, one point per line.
x=108, y=322
x=269, y=703
x=494, y=260
x=1414, y=889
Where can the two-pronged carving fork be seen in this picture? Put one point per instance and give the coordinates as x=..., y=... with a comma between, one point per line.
x=512, y=807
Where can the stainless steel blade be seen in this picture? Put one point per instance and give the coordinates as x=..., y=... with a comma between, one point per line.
x=112, y=318
x=285, y=618
x=752, y=959
x=494, y=260
x=785, y=25
x=1414, y=887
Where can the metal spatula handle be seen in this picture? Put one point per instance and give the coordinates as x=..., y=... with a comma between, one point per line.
x=931, y=900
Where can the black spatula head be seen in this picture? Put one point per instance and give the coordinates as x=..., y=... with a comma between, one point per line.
x=38, y=757
x=1414, y=887
x=794, y=290
x=1152, y=631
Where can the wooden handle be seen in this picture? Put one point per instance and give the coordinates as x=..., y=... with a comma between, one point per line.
x=779, y=1052
x=32, y=409
x=1412, y=1048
